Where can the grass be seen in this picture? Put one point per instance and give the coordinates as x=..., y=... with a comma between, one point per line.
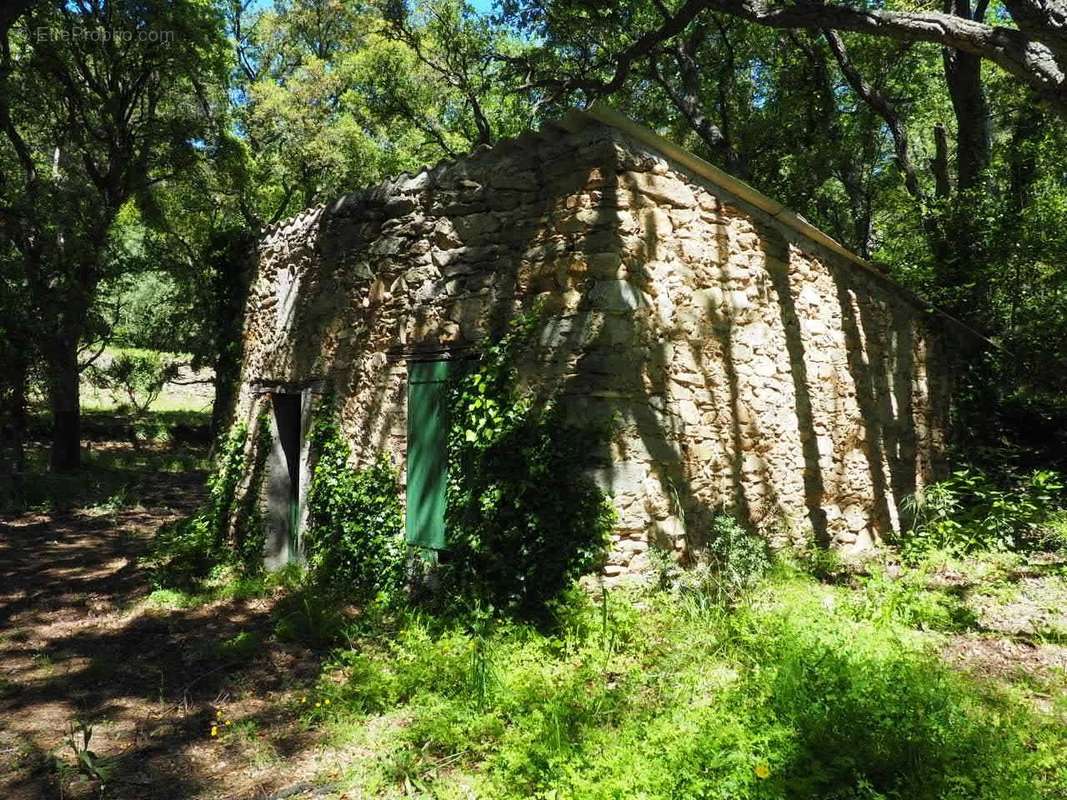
x=120, y=448
x=223, y=583
x=804, y=690
x=816, y=683
x=819, y=682
x=119, y=461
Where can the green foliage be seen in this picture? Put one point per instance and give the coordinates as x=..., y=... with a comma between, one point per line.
x=788, y=695
x=136, y=378
x=738, y=558
x=354, y=539
x=969, y=511
x=241, y=647
x=734, y=562
x=57, y=89
x=909, y=599
x=87, y=762
x=245, y=518
x=184, y=552
x=882, y=721
x=310, y=614
x=524, y=519
x=155, y=311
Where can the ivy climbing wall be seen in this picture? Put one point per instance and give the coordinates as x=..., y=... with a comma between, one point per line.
x=741, y=363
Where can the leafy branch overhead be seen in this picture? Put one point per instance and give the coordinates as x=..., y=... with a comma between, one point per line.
x=1035, y=51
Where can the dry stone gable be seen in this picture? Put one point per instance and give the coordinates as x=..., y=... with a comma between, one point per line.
x=747, y=360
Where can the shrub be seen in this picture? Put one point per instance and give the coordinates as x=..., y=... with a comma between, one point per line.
x=968, y=512
x=136, y=378
x=735, y=561
x=524, y=519
x=738, y=558
x=354, y=540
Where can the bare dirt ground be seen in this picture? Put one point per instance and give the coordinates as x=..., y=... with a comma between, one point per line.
x=78, y=642
x=1019, y=637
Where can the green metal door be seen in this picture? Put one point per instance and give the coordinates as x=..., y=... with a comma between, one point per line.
x=294, y=524
x=427, y=456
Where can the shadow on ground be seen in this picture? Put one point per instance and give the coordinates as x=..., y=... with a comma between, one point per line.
x=78, y=643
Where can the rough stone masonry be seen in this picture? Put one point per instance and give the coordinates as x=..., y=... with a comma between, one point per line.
x=745, y=364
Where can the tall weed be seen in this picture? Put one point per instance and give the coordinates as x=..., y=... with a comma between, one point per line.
x=969, y=511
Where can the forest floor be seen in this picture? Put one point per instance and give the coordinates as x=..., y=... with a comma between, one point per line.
x=88, y=649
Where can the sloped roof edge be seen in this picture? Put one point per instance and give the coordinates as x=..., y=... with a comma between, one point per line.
x=576, y=119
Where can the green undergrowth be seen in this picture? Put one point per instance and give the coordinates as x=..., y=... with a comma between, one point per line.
x=226, y=534
x=800, y=690
x=977, y=511
x=225, y=582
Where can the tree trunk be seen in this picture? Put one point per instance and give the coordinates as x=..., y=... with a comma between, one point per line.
x=963, y=75
x=65, y=399
x=13, y=419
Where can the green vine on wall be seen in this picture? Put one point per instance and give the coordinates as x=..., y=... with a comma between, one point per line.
x=354, y=539
x=223, y=482
x=187, y=550
x=249, y=529
x=524, y=518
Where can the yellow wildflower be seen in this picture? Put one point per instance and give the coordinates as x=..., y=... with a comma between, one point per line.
x=763, y=771
x=327, y=701
x=214, y=730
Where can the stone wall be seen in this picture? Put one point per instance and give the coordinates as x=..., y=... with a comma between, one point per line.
x=744, y=365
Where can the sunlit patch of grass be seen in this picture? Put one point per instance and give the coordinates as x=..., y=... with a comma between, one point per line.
x=44, y=662
x=173, y=600
x=174, y=397
x=223, y=583
x=803, y=690
x=114, y=473
x=122, y=499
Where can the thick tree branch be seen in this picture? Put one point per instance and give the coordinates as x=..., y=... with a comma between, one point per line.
x=939, y=163
x=456, y=75
x=1021, y=54
x=687, y=99
x=1036, y=54
x=1044, y=20
x=7, y=124
x=624, y=61
x=881, y=106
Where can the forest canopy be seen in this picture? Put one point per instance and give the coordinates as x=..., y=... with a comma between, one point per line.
x=138, y=169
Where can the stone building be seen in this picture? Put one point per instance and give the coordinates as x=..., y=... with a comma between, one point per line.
x=747, y=359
